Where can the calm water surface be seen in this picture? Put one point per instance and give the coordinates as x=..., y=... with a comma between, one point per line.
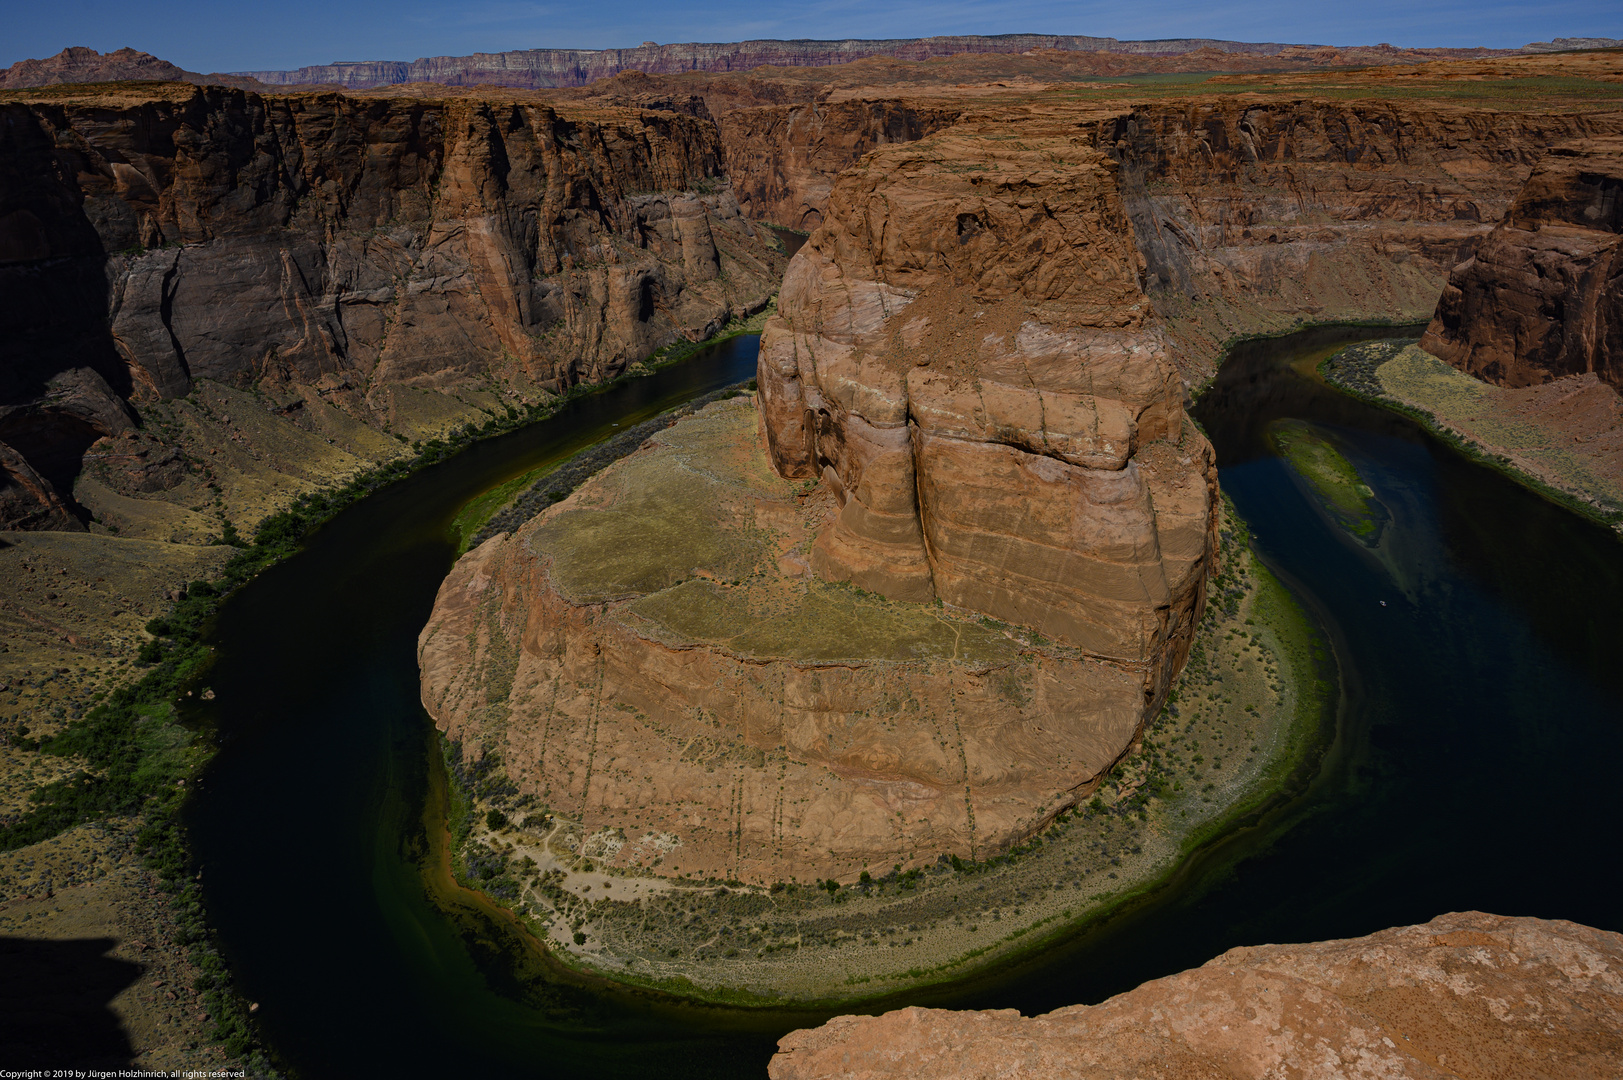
x=1471, y=766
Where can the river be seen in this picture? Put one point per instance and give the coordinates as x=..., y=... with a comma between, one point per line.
x=1471, y=767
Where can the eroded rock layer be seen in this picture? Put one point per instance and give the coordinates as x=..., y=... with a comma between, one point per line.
x=969, y=393
x=654, y=657
x=964, y=354
x=1542, y=298
x=328, y=250
x=1465, y=995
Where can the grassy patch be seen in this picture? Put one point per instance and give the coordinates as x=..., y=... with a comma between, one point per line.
x=478, y=511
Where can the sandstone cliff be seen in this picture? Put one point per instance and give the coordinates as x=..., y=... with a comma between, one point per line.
x=531, y=68
x=965, y=355
x=329, y=249
x=1542, y=298
x=783, y=158
x=1465, y=995
x=967, y=401
x=977, y=370
x=654, y=658
x=1255, y=213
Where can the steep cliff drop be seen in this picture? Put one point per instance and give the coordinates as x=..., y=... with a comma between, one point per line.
x=951, y=609
x=342, y=270
x=1543, y=296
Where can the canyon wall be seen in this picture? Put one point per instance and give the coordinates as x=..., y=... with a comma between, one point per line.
x=1250, y=214
x=783, y=158
x=1465, y=995
x=1253, y=214
x=952, y=608
x=533, y=68
x=964, y=354
x=977, y=370
x=325, y=248
x=1542, y=298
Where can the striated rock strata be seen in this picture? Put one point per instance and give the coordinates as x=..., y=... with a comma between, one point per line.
x=654, y=657
x=1466, y=995
x=533, y=68
x=970, y=388
x=329, y=250
x=1542, y=298
x=964, y=354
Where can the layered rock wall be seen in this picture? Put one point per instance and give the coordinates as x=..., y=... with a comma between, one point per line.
x=783, y=159
x=964, y=354
x=1249, y=212
x=346, y=246
x=1542, y=298
x=532, y=68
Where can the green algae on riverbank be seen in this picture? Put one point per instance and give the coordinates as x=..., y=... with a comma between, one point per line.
x=1240, y=725
x=1313, y=456
x=1484, y=423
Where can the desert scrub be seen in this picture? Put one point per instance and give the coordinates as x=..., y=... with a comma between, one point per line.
x=1241, y=728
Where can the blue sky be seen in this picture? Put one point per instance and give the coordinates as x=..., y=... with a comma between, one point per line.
x=216, y=36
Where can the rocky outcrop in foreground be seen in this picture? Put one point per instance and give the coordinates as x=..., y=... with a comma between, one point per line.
x=1466, y=995
x=1543, y=296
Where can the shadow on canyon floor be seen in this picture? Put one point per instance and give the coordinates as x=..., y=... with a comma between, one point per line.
x=55, y=1004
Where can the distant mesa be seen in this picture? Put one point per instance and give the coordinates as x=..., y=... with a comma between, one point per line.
x=555, y=68
x=81, y=65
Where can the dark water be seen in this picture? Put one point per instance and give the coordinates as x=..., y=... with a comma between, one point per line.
x=1472, y=766
x=792, y=241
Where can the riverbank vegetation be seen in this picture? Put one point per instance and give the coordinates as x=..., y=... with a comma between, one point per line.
x=1558, y=449
x=127, y=754
x=1241, y=728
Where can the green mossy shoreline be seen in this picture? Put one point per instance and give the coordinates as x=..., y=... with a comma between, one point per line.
x=1334, y=370
x=141, y=755
x=1284, y=773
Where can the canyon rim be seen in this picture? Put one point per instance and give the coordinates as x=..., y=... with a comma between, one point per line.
x=913, y=598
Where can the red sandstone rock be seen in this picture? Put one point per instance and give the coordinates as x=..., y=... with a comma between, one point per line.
x=649, y=658
x=1543, y=296
x=964, y=353
x=1466, y=995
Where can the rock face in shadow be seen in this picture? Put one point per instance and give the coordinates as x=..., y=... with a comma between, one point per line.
x=1465, y=995
x=338, y=249
x=1543, y=296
